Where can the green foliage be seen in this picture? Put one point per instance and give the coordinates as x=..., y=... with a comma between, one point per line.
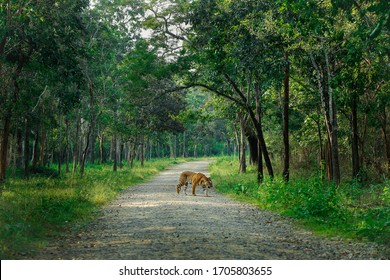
x=240, y=189
x=386, y=193
x=349, y=210
x=311, y=198
x=227, y=180
x=33, y=211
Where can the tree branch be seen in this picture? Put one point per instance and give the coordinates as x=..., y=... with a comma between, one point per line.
x=166, y=27
x=210, y=88
x=239, y=92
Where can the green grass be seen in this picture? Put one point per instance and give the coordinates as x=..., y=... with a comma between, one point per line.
x=34, y=210
x=348, y=211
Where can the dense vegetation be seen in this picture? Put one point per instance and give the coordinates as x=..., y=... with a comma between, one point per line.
x=347, y=211
x=301, y=88
x=33, y=211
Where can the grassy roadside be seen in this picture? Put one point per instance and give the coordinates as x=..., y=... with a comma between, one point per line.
x=31, y=211
x=349, y=211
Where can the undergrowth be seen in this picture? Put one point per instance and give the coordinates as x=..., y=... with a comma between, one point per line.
x=31, y=211
x=350, y=210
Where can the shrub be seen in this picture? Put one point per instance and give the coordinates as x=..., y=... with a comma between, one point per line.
x=33, y=210
x=351, y=209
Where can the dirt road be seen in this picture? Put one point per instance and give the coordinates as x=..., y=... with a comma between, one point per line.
x=150, y=221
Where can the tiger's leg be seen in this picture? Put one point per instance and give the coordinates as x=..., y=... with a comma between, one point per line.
x=194, y=183
x=185, y=188
x=178, y=188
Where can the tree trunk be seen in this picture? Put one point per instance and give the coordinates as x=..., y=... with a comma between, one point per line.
x=355, y=137
x=59, y=153
x=76, y=145
x=132, y=156
x=67, y=145
x=19, y=148
x=260, y=172
x=328, y=159
x=34, y=159
x=263, y=146
x=112, y=149
x=286, y=168
x=172, y=146
x=114, y=153
x=85, y=152
x=386, y=140
x=362, y=138
x=92, y=144
x=142, y=152
x=43, y=147
x=184, y=145
x=242, y=143
x=253, y=148
x=91, y=131
x=4, y=147
x=322, y=162
x=101, y=148
x=195, y=149
x=26, y=147
x=257, y=122
x=329, y=111
x=120, y=152
x=334, y=125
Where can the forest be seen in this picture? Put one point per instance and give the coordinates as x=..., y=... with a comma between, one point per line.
x=287, y=88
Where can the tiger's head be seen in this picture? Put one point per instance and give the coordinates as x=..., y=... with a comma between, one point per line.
x=207, y=183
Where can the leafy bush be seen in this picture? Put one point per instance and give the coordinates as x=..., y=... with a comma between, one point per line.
x=33, y=210
x=301, y=198
x=349, y=210
x=386, y=193
x=241, y=189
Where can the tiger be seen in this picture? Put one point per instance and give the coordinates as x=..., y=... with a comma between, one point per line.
x=195, y=179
